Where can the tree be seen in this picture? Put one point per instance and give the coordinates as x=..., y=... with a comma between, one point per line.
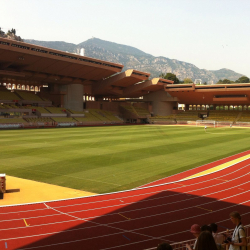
x=188, y=80
x=224, y=81
x=243, y=79
x=11, y=32
x=12, y=35
x=170, y=76
x=161, y=75
x=1, y=32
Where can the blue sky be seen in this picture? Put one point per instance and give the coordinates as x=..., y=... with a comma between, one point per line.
x=210, y=34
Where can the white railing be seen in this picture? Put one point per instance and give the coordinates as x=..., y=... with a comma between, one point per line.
x=182, y=245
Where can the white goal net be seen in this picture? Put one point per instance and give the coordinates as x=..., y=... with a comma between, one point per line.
x=208, y=123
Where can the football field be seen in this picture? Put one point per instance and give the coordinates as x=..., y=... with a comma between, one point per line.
x=113, y=158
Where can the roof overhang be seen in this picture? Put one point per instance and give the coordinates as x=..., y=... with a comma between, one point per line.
x=146, y=87
x=223, y=94
x=23, y=61
x=116, y=84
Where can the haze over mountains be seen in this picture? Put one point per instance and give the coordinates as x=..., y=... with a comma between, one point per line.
x=134, y=58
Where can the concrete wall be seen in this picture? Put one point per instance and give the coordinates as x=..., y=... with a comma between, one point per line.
x=162, y=103
x=74, y=97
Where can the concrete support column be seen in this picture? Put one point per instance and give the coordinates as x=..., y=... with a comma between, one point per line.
x=162, y=108
x=162, y=103
x=74, y=97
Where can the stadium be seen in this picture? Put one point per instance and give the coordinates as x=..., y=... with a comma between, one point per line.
x=100, y=158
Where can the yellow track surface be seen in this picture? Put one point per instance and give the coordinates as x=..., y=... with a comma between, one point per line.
x=219, y=167
x=33, y=191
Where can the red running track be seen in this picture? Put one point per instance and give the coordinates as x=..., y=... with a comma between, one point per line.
x=134, y=219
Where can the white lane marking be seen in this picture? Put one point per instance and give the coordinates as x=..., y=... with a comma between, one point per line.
x=119, y=192
x=125, y=204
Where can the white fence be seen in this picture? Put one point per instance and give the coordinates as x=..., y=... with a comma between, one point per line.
x=182, y=245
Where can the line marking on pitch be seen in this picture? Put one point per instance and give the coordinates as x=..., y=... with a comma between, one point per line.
x=26, y=223
x=6, y=246
x=205, y=209
x=125, y=217
x=125, y=237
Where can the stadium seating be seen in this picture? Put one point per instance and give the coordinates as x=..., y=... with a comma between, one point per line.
x=39, y=120
x=63, y=119
x=141, y=112
x=8, y=106
x=12, y=120
x=27, y=95
x=192, y=115
x=8, y=95
x=188, y=115
x=88, y=116
x=129, y=108
x=244, y=116
x=41, y=110
x=162, y=119
x=223, y=115
x=111, y=116
x=97, y=113
x=75, y=112
x=55, y=110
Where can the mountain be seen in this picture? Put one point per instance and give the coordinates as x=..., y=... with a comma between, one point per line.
x=134, y=58
x=70, y=47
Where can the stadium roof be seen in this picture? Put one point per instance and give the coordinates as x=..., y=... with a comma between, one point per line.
x=233, y=94
x=31, y=64
x=146, y=87
x=114, y=85
x=23, y=61
x=131, y=83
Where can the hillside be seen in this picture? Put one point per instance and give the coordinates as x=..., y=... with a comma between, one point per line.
x=134, y=58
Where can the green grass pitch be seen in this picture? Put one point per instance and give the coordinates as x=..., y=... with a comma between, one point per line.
x=106, y=159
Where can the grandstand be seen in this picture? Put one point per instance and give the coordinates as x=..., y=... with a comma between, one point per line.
x=126, y=112
x=38, y=120
x=6, y=95
x=163, y=119
x=28, y=96
x=244, y=116
x=57, y=89
x=225, y=115
x=13, y=121
x=99, y=86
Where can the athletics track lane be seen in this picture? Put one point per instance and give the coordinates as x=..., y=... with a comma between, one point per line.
x=193, y=171
x=136, y=219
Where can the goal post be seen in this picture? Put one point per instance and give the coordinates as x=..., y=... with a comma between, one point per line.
x=208, y=123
